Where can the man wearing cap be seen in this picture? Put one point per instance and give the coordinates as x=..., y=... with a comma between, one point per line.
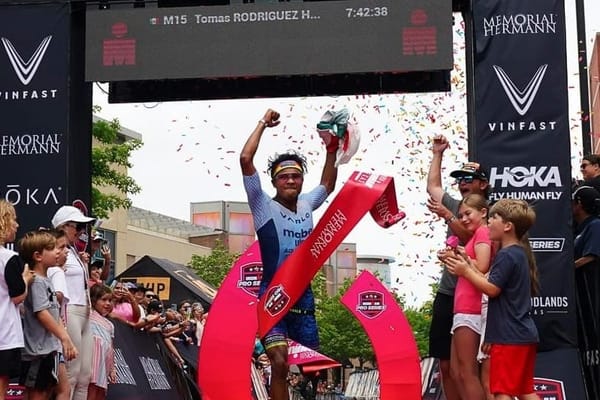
x=470, y=179
x=280, y=222
x=67, y=219
x=101, y=251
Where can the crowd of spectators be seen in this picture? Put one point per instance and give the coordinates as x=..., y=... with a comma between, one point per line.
x=59, y=290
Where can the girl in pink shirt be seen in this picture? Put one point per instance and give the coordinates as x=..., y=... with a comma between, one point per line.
x=466, y=327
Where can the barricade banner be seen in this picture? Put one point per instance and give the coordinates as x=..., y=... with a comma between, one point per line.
x=522, y=138
x=431, y=379
x=390, y=334
x=587, y=280
x=361, y=193
x=142, y=372
x=558, y=376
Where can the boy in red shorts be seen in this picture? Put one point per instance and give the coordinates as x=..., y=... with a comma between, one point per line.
x=511, y=336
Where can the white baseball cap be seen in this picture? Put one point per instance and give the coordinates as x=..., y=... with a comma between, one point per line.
x=69, y=214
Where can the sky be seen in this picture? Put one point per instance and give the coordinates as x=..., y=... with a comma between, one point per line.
x=191, y=151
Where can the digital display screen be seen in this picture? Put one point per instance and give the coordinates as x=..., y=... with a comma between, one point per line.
x=269, y=40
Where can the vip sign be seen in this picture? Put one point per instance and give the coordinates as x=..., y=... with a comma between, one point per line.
x=160, y=286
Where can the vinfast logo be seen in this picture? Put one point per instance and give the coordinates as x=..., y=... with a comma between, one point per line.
x=543, y=178
x=521, y=99
x=26, y=70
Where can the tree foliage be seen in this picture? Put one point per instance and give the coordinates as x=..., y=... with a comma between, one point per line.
x=420, y=321
x=110, y=160
x=342, y=336
x=214, y=267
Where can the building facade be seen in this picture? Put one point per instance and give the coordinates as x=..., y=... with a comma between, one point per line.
x=594, y=85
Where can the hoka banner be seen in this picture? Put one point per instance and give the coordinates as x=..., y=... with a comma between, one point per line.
x=522, y=138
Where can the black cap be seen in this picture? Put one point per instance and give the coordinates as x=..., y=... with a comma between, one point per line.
x=588, y=197
x=470, y=169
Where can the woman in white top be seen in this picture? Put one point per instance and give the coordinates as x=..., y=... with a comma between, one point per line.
x=13, y=290
x=67, y=218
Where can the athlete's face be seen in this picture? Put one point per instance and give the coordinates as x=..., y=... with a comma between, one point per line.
x=288, y=183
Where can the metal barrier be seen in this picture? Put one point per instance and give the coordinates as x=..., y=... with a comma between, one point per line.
x=363, y=385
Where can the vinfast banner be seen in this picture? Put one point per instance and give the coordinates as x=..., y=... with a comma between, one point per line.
x=34, y=99
x=522, y=138
x=268, y=39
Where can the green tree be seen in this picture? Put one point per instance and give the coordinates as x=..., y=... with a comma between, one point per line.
x=342, y=336
x=110, y=161
x=420, y=321
x=214, y=267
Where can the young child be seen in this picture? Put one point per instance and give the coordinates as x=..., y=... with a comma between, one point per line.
x=103, y=333
x=511, y=336
x=466, y=326
x=57, y=277
x=14, y=279
x=46, y=339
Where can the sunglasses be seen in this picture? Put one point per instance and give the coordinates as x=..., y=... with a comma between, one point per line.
x=151, y=296
x=286, y=177
x=465, y=179
x=584, y=165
